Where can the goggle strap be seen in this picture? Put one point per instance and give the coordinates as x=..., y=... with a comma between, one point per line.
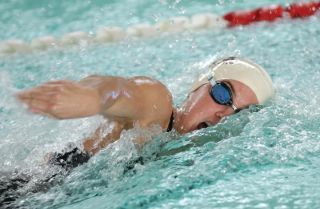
x=212, y=80
x=234, y=107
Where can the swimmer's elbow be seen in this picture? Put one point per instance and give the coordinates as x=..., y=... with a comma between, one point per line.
x=109, y=89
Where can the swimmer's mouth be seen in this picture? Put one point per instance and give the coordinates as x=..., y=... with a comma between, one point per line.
x=202, y=125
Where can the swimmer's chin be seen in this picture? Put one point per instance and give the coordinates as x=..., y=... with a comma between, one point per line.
x=195, y=127
x=202, y=125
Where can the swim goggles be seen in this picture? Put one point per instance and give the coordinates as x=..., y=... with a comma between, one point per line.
x=221, y=93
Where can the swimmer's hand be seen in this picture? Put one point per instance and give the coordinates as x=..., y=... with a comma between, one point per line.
x=62, y=100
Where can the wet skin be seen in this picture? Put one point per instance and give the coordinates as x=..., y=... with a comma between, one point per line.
x=138, y=101
x=199, y=110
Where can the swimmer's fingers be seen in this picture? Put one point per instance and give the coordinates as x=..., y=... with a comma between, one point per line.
x=59, y=83
x=48, y=87
x=28, y=97
x=23, y=95
x=41, y=107
x=34, y=94
x=38, y=101
x=43, y=92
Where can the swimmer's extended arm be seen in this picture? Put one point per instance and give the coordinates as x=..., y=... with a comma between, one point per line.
x=61, y=100
x=106, y=95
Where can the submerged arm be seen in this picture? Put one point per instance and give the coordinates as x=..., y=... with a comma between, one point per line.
x=100, y=140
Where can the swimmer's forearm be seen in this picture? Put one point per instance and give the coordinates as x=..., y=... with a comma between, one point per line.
x=105, y=95
x=61, y=99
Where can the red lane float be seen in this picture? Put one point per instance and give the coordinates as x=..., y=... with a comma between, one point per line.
x=271, y=13
x=241, y=17
x=297, y=10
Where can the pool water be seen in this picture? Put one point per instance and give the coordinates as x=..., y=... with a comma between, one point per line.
x=260, y=158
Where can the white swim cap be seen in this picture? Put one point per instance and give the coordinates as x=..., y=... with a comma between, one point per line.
x=242, y=70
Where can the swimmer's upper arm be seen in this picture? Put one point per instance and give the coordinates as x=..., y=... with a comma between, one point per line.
x=134, y=98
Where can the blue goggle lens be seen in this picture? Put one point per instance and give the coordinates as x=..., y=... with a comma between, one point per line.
x=221, y=94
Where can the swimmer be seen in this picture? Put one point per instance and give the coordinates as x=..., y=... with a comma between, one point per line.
x=230, y=85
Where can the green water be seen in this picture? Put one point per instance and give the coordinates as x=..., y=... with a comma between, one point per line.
x=255, y=159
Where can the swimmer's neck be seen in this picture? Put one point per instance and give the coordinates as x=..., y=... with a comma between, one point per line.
x=177, y=113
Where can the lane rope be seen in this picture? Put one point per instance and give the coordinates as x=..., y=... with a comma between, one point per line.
x=271, y=13
x=170, y=26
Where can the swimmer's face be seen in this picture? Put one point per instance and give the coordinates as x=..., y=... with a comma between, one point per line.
x=200, y=110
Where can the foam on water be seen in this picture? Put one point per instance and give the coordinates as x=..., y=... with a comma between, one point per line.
x=260, y=158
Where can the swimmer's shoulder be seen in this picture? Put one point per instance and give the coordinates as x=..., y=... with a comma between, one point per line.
x=157, y=99
x=151, y=84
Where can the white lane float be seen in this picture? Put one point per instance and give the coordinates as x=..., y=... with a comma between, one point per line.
x=44, y=43
x=173, y=25
x=143, y=30
x=14, y=46
x=74, y=38
x=110, y=34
